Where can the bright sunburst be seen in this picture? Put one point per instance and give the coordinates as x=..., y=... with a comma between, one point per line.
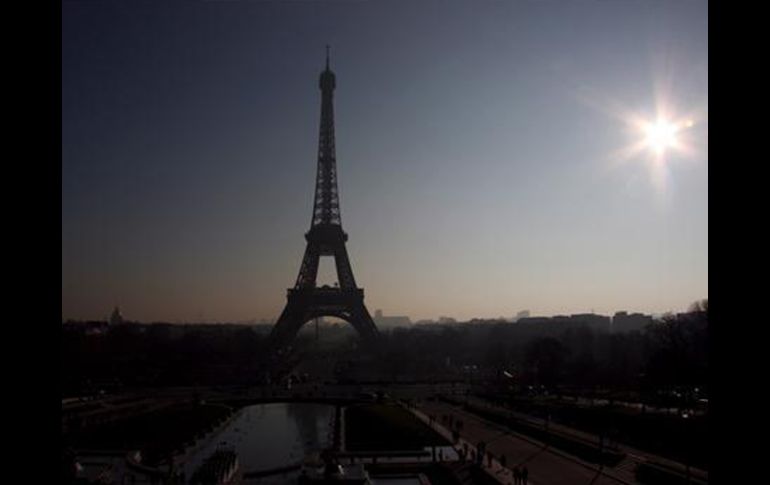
x=657, y=140
x=655, y=137
x=660, y=136
x=663, y=135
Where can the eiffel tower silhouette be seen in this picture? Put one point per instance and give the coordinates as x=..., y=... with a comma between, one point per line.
x=306, y=301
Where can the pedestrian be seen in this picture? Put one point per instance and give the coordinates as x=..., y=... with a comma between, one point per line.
x=482, y=449
x=524, y=475
x=516, y=475
x=489, y=459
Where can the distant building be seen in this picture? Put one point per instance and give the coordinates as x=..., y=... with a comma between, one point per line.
x=590, y=320
x=520, y=315
x=425, y=322
x=623, y=322
x=383, y=321
x=446, y=320
x=532, y=320
x=116, y=318
x=593, y=321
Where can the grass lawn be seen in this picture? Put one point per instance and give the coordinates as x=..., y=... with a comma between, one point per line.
x=380, y=427
x=157, y=433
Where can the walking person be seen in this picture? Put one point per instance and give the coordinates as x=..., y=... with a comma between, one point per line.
x=516, y=475
x=524, y=475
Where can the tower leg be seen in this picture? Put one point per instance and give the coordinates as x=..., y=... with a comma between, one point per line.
x=363, y=323
x=287, y=326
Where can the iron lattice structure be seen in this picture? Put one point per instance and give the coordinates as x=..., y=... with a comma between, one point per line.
x=306, y=301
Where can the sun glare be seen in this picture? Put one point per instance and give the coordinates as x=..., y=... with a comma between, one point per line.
x=660, y=136
x=655, y=139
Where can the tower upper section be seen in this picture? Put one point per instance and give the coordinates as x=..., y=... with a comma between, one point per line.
x=327, y=81
x=326, y=205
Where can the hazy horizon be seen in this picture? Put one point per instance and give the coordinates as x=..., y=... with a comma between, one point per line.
x=335, y=320
x=486, y=156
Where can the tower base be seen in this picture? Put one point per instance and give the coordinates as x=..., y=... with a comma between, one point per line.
x=305, y=304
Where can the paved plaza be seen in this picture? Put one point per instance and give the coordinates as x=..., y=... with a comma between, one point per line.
x=546, y=466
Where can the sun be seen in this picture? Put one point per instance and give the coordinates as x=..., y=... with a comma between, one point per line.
x=658, y=140
x=660, y=135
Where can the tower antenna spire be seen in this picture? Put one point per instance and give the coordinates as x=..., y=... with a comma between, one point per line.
x=327, y=57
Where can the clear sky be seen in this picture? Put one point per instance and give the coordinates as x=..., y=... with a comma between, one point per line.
x=484, y=151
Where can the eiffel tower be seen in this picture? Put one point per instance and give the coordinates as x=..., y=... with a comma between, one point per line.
x=306, y=301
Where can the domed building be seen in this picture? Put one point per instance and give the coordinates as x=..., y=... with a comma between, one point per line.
x=116, y=318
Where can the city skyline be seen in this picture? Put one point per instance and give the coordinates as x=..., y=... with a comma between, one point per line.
x=481, y=171
x=379, y=314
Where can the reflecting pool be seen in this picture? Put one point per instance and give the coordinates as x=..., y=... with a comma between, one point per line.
x=271, y=435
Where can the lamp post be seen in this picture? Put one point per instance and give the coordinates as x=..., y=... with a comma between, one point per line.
x=685, y=416
x=601, y=447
